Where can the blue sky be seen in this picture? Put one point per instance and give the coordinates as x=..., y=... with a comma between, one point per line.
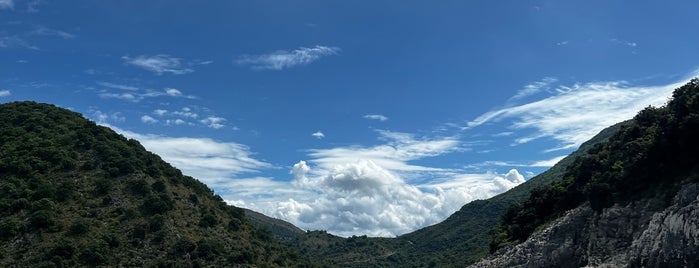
x=356, y=117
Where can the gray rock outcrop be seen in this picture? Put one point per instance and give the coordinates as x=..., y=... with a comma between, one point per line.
x=644, y=233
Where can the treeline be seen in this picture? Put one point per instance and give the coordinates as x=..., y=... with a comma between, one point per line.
x=650, y=157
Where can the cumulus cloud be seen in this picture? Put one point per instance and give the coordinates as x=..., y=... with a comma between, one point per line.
x=214, y=122
x=283, y=59
x=364, y=198
x=574, y=114
x=158, y=64
x=173, y=92
x=159, y=112
x=376, y=117
x=318, y=135
x=104, y=117
x=5, y=93
x=148, y=119
x=7, y=4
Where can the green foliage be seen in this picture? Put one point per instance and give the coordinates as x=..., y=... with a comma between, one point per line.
x=121, y=206
x=156, y=204
x=646, y=158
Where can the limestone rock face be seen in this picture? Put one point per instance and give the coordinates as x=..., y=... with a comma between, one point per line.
x=640, y=234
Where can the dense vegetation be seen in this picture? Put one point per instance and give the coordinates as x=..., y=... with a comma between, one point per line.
x=73, y=193
x=649, y=157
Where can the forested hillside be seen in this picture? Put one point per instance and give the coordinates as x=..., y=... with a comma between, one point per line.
x=651, y=157
x=73, y=193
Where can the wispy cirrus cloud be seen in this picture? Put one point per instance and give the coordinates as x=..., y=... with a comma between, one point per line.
x=574, y=114
x=398, y=149
x=214, y=162
x=376, y=117
x=159, y=64
x=283, y=59
x=117, y=86
x=45, y=31
x=534, y=88
x=16, y=42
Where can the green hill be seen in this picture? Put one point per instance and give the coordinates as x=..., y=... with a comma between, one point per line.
x=651, y=157
x=73, y=193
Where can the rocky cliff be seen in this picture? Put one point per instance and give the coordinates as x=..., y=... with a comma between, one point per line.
x=644, y=233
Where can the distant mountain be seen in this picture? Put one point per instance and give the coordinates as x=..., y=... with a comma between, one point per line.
x=73, y=193
x=632, y=201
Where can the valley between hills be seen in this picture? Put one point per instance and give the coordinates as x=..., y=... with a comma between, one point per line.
x=73, y=193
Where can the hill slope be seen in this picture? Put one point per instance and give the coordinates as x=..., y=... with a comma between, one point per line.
x=73, y=193
x=632, y=201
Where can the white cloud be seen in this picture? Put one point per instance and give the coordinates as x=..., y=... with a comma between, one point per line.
x=138, y=95
x=562, y=43
x=213, y=162
x=342, y=194
x=364, y=198
x=283, y=59
x=624, y=42
x=399, y=149
x=103, y=117
x=376, y=117
x=122, y=96
x=173, y=92
x=176, y=122
x=159, y=64
x=548, y=163
x=213, y=122
x=318, y=135
x=186, y=112
x=148, y=119
x=117, y=86
x=534, y=88
x=574, y=114
x=7, y=4
x=52, y=32
x=160, y=112
x=5, y=93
